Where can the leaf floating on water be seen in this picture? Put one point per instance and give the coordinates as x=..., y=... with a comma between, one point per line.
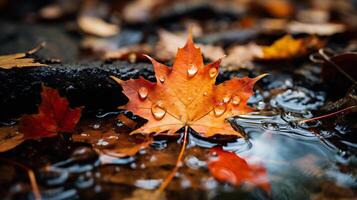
x=9, y=138
x=20, y=60
x=187, y=95
x=229, y=167
x=54, y=116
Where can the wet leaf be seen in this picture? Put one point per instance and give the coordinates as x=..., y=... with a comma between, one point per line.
x=288, y=47
x=186, y=94
x=20, y=60
x=54, y=116
x=113, y=144
x=9, y=138
x=229, y=167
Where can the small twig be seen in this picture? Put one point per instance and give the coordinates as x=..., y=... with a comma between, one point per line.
x=326, y=116
x=168, y=178
x=34, y=50
x=31, y=175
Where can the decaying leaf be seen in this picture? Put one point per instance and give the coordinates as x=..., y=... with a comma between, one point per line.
x=229, y=167
x=288, y=47
x=113, y=144
x=20, y=60
x=9, y=138
x=96, y=26
x=186, y=95
x=54, y=116
x=168, y=44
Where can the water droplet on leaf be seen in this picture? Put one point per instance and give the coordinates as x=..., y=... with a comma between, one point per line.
x=212, y=72
x=143, y=93
x=158, y=111
x=236, y=100
x=219, y=109
x=191, y=72
x=162, y=79
x=226, y=99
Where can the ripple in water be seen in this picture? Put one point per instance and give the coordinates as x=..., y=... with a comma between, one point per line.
x=298, y=100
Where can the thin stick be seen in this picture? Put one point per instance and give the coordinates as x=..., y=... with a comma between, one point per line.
x=327, y=115
x=168, y=178
x=31, y=175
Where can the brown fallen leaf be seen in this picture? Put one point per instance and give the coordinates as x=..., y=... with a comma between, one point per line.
x=169, y=42
x=96, y=26
x=20, y=60
x=9, y=138
x=242, y=56
x=140, y=10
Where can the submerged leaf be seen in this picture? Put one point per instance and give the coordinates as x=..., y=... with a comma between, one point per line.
x=113, y=144
x=54, y=115
x=186, y=95
x=229, y=167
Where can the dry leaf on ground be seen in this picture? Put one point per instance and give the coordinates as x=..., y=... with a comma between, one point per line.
x=20, y=60
x=96, y=26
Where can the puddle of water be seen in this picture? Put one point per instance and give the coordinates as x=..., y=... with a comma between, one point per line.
x=303, y=161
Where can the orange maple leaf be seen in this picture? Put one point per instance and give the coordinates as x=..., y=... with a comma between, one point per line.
x=54, y=116
x=288, y=47
x=229, y=167
x=186, y=95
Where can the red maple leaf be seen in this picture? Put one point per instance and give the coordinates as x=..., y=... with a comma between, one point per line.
x=54, y=115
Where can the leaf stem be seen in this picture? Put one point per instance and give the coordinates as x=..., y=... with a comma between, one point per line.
x=168, y=178
x=31, y=175
x=327, y=115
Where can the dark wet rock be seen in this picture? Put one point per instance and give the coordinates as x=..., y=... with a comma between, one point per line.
x=84, y=84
